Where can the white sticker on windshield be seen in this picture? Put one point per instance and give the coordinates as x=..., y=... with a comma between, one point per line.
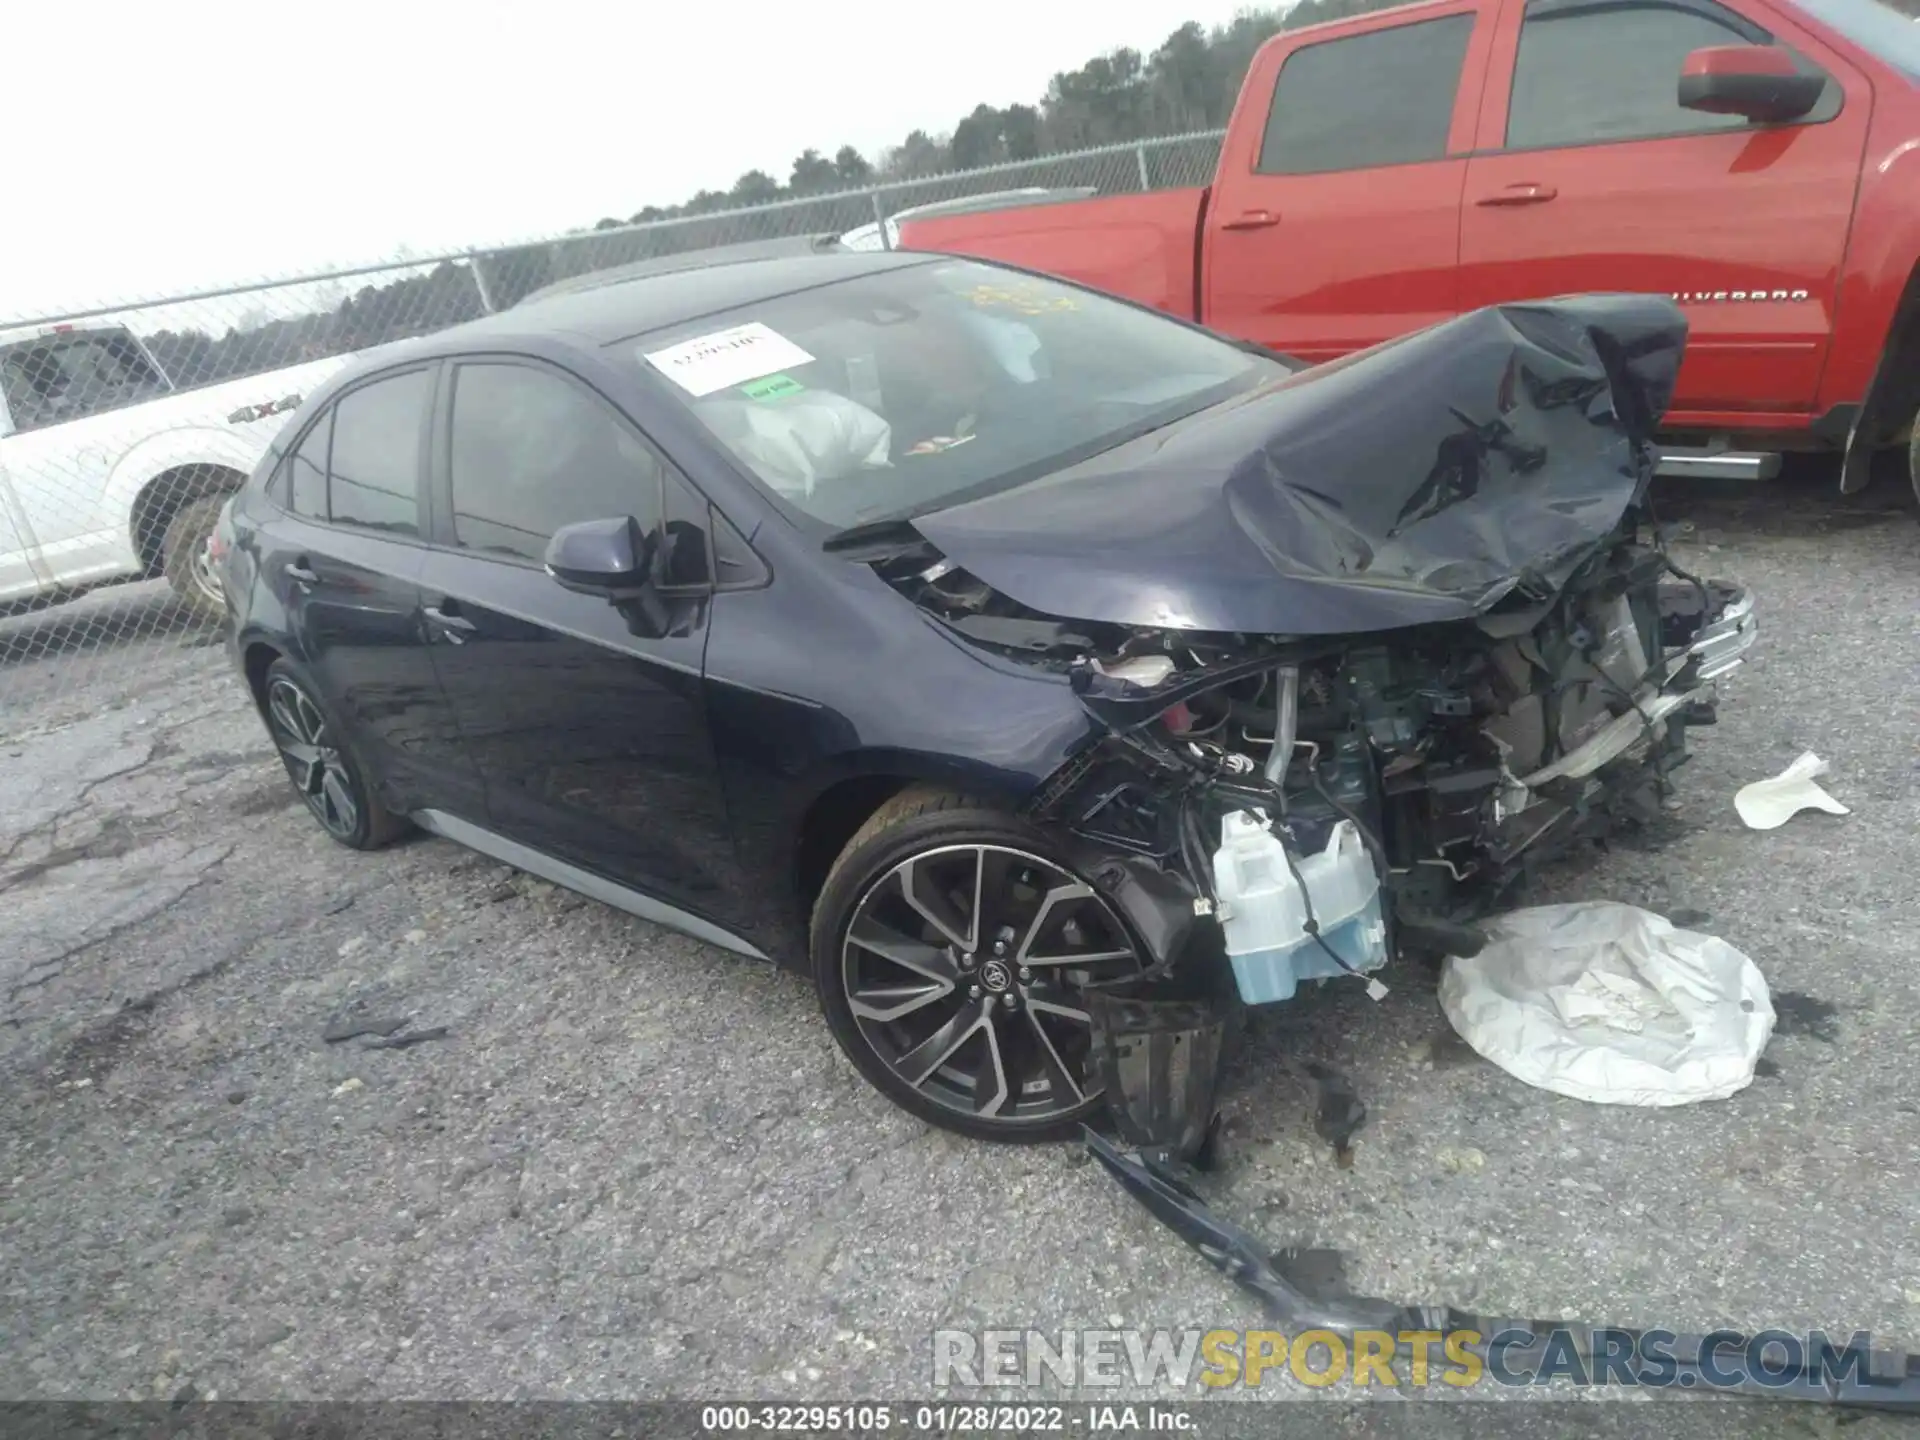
x=727, y=357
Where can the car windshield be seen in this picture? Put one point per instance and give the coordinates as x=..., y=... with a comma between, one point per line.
x=1877, y=28
x=904, y=390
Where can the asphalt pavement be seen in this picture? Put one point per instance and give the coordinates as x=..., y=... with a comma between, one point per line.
x=635, y=1166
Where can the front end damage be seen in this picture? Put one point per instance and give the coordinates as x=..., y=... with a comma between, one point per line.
x=1336, y=805
x=1362, y=651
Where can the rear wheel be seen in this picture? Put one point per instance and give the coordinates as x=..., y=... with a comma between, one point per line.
x=321, y=764
x=184, y=559
x=1913, y=458
x=951, y=950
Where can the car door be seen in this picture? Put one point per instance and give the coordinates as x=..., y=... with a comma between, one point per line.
x=1590, y=176
x=344, y=558
x=60, y=388
x=1335, y=215
x=21, y=574
x=589, y=731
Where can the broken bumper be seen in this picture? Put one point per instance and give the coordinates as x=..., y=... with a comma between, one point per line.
x=1722, y=643
x=1302, y=1290
x=1705, y=637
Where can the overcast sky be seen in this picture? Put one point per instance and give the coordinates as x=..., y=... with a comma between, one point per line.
x=156, y=147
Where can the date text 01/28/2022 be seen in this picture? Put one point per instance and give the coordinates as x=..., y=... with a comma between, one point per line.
x=940, y=1419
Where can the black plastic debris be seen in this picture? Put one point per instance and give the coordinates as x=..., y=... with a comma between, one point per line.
x=1159, y=1063
x=408, y=1040
x=341, y=1030
x=1306, y=1290
x=1340, y=1114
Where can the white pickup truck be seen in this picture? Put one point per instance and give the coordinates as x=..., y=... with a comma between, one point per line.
x=109, y=472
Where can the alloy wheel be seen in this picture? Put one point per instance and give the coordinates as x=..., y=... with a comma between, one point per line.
x=206, y=580
x=318, y=770
x=965, y=966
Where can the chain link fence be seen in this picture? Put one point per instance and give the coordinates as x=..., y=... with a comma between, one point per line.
x=125, y=426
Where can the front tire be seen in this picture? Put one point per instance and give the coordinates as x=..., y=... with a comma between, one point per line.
x=184, y=560
x=321, y=764
x=951, y=949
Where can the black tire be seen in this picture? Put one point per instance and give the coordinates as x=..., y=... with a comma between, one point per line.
x=321, y=763
x=1913, y=458
x=1020, y=1033
x=182, y=551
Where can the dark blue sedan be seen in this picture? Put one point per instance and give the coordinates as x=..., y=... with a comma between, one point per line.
x=1047, y=676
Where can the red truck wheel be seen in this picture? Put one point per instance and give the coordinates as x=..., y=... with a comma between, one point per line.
x=1913, y=458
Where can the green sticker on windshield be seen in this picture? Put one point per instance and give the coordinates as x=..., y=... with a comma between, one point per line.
x=770, y=387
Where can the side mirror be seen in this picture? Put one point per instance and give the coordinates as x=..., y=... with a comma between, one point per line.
x=610, y=558
x=1759, y=82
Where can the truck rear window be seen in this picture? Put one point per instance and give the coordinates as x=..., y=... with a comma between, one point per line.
x=1878, y=29
x=1382, y=98
x=67, y=377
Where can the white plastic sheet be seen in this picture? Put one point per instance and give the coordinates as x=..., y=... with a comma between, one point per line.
x=1769, y=804
x=1611, y=1003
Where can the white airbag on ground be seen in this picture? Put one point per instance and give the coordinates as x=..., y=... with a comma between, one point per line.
x=1769, y=804
x=1611, y=1003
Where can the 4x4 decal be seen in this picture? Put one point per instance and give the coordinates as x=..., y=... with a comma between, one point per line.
x=247, y=414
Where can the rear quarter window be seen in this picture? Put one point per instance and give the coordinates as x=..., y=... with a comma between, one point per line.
x=373, y=471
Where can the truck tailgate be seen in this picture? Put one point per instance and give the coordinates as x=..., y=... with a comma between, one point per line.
x=1145, y=247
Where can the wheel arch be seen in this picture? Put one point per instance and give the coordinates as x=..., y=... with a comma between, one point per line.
x=165, y=470
x=1893, y=397
x=159, y=499
x=256, y=657
x=839, y=808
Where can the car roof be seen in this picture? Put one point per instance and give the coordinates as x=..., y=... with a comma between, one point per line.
x=652, y=295
x=778, y=248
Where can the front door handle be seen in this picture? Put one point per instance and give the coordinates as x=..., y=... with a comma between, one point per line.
x=1527, y=193
x=447, y=618
x=1251, y=220
x=298, y=572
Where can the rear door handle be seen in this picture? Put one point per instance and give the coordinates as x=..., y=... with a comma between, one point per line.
x=447, y=617
x=1251, y=220
x=298, y=572
x=1522, y=194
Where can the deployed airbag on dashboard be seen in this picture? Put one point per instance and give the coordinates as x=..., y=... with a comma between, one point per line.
x=1421, y=481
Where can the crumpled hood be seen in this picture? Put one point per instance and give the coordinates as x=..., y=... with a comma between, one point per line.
x=1417, y=482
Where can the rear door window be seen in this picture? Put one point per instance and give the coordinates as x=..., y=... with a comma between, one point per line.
x=1382, y=98
x=373, y=475
x=70, y=376
x=533, y=450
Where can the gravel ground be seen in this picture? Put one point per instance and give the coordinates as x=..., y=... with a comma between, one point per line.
x=636, y=1166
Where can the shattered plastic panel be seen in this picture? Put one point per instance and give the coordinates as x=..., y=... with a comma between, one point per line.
x=1305, y=1290
x=1422, y=481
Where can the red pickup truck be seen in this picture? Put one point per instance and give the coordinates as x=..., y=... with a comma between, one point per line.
x=1758, y=160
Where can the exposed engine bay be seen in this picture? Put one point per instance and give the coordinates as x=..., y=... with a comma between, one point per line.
x=1460, y=755
x=1362, y=650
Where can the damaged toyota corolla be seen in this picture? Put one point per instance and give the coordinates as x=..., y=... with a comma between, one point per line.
x=1051, y=677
